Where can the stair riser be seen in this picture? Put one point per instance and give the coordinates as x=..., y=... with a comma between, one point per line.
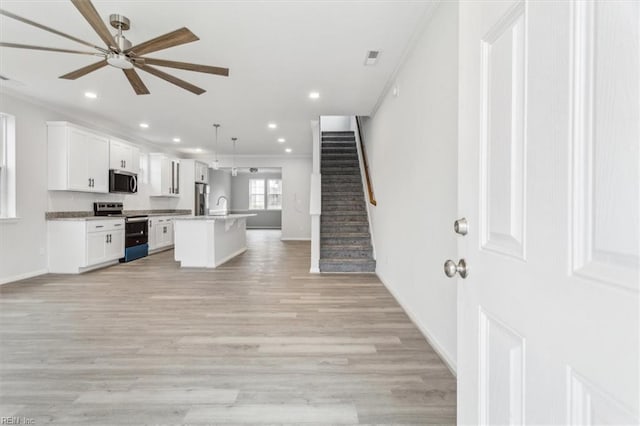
x=331, y=229
x=346, y=254
x=342, y=220
x=344, y=187
x=344, y=208
x=343, y=196
x=342, y=267
x=339, y=151
x=340, y=163
x=338, y=144
x=340, y=171
x=330, y=158
x=349, y=241
x=341, y=179
x=343, y=216
x=336, y=204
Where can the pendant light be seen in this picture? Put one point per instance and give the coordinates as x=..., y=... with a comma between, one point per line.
x=216, y=164
x=234, y=169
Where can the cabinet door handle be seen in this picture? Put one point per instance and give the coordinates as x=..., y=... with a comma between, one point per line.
x=125, y=164
x=99, y=226
x=118, y=224
x=89, y=182
x=106, y=238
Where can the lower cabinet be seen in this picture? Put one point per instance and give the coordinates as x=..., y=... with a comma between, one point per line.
x=160, y=232
x=75, y=246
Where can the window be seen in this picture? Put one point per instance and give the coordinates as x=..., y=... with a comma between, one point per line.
x=7, y=166
x=265, y=194
x=274, y=194
x=256, y=194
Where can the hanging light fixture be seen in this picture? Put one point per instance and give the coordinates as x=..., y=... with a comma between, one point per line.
x=216, y=164
x=234, y=169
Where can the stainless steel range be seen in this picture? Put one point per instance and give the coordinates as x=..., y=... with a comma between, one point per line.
x=136, y=229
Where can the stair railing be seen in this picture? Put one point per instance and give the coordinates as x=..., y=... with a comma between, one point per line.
x=365, y=177
x=372, y=198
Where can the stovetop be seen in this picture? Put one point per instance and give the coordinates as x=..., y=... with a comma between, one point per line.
x=112, y=209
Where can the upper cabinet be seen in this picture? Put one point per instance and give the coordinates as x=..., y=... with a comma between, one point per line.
x=201, y=172
x=78, y=159
x=164, y=175
x=123, y=157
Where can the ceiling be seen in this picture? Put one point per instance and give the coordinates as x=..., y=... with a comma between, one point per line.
x=277, y=52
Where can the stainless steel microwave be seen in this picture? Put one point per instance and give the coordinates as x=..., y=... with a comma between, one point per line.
x=123, y=182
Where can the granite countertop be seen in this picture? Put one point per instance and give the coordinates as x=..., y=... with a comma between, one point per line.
x=217, y=217
x=84, y=215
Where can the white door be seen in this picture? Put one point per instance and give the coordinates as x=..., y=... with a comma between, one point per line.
x=115, y=246
x=117, y=155
x=78, y=168
x=98, y=161
x=96, y=247
x=549, y=183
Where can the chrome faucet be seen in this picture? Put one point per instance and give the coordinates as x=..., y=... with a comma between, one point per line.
x=221, y=197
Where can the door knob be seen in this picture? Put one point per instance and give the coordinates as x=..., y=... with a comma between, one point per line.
x=461, y=226
x=450, y=268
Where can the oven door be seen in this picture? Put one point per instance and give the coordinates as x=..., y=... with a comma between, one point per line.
x=136, y=231
x=122, y=182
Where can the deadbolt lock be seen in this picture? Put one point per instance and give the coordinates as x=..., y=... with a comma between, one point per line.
x=461, y=226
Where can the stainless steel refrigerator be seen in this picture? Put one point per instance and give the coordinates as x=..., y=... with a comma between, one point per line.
x=201, y=207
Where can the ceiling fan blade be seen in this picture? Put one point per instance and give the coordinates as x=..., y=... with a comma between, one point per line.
x=84, y=70
x=174, y=38
x=51, y=30
x=171, y=79
x=48, y=49
x=188, y=66
x=86, y=8
x=136, y=82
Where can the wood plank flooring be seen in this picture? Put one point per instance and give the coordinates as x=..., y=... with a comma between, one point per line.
x=258, y=340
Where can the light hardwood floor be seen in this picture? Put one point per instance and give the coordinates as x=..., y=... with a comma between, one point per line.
x=258, y=340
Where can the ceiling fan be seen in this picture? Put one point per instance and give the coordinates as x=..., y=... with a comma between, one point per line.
x=120, y=53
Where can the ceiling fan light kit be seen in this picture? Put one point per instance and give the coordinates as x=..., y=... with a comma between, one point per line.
x=120, y=52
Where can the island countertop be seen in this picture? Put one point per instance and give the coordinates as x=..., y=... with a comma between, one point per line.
x=216, y=217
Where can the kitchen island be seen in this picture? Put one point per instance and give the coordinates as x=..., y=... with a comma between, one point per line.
x=209, y=241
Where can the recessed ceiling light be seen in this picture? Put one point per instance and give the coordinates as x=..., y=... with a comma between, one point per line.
x=288, y=150
x=282, y=140
x=176, y=139
x=272, y=125
x=144, y=125
x=90, y=95
x=198, y=149
x=314, y=95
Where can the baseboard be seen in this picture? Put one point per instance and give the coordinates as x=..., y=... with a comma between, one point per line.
x=24, y=276
x=295, y=239
x=450, y=363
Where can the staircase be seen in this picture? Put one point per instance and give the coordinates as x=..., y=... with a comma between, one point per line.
x=345, y=242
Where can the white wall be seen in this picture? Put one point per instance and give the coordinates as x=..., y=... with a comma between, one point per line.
x=23, y=241
x=411, y=145
x=335, y=123
x=219, y=185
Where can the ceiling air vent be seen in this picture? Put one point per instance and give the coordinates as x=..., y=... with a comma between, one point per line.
x=372, y=57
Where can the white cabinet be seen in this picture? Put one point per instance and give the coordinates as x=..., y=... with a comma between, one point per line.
x=164, y=175
x=201, y=172
x=77, y=159
x=79, y=245
x=160, y=232
x=123, y=156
